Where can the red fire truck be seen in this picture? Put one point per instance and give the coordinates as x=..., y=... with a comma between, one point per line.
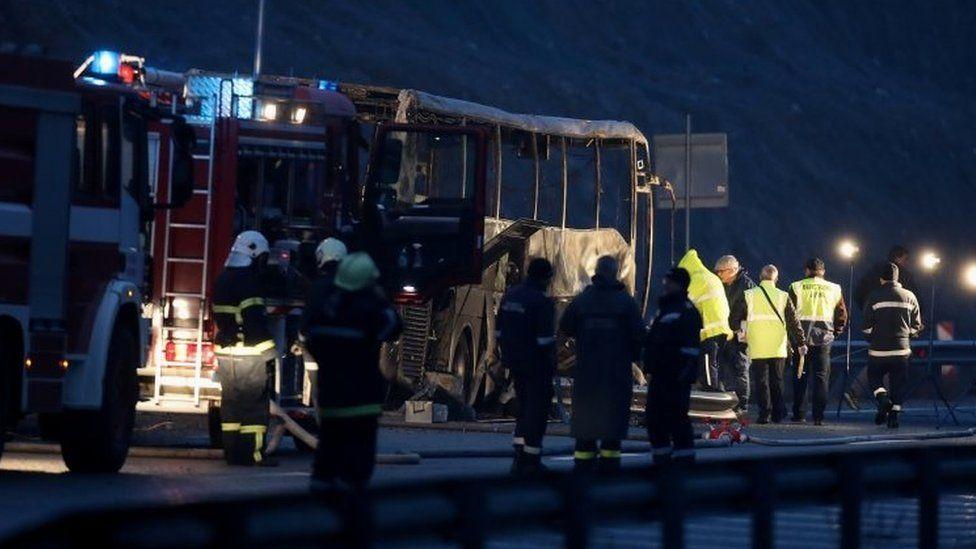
x=75, y=206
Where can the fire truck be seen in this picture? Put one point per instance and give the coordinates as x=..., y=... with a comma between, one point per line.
x=75, y=206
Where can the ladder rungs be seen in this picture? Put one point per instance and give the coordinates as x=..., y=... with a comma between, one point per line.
x=181, y=294
x=180, y=381
x=193, y=260
x=201, y=191
x=177, y=329
x=187, y=226
x=178, y=364
x=201, y=157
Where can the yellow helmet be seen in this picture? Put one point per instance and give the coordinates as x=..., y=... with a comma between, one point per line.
x=356, y=271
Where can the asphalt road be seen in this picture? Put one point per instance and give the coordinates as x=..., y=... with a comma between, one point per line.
x=37, y=487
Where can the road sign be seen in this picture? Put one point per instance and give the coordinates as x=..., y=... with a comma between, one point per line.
x=709, y=169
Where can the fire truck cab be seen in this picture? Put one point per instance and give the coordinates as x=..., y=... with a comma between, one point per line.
x=75, y=203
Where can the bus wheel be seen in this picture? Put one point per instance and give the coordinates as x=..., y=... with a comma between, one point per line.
x=462, y=365
x=97, y=441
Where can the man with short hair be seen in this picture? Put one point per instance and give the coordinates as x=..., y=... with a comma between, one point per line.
x=891, y=319
x=734, y=359
x=606, y=323
x=771, y=329
x=525, y=329
x=823, y=315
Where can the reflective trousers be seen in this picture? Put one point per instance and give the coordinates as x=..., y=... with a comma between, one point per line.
x=817, y=367
x=244, y=412
x=607, y=450
x=896, y=368
x=534, y=392
x=346, y=450
x=668, y=425
x=768, y=392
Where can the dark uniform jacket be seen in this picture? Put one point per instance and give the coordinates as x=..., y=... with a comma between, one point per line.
x=736, y=294
x=239, y=311
x=525, y=330
x=344, y=335
x=671, y=348
x=318, y=292
x=891, y=319
x=606, y=323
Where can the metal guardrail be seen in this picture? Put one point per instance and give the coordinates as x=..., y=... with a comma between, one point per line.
x=467, y=512
x=962, y=352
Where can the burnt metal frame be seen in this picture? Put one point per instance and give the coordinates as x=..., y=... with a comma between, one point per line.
x=467, y=511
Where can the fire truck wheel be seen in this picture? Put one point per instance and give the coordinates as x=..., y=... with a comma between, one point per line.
x=97, y=441
x=213, y=426
x=463, y=366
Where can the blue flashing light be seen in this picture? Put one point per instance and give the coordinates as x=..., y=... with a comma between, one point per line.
x=328, y=85
x=106, y=62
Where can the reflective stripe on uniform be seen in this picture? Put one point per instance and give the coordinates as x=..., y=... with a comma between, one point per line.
x=251, y=302
x=258, y=432
x=709, y=295
x=518, y=441
x=242, y=350
x=897, y=352
x=896, y=408
x=534, y=450
x=670, y=317
x=584, y=455
x=230, y=427
x=545, y=340
x=351, y=411
x=716, y=324
x=612, y=454
x=760, y=318
x=891, y=305
x=690, y=351
x=338, y=331
x=815, y=318
x=880, y=390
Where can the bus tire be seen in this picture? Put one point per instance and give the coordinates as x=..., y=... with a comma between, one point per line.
x=97, y=441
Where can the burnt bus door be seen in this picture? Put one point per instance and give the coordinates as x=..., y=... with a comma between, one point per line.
x=424, y=207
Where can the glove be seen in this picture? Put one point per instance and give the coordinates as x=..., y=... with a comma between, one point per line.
x=802, y=349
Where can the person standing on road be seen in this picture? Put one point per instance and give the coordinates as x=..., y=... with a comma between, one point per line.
x=671, y=358
x=344, y=336
x=525, y=330
x=606, y=323
x=823, y=315
x=734, y=359
x=243, y=346
x=891, y=319
x=771, y=328
x=707, y=293
x=328, y=254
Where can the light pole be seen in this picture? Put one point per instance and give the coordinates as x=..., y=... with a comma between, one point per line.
x=930, y=261
x=848, y=250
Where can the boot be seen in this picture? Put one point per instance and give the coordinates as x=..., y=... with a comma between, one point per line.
x=519, y=452
x=884, y=408
x=893, y=418
x=608, y=465
x=528, y=465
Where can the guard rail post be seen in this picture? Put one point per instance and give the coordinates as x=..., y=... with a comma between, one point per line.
x=928, y=471
x=762, y=475
x=472, y=516
x=575, y=491
x=851, y=495
x=671, y=480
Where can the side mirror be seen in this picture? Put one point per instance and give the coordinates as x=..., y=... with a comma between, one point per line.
x=181, y=187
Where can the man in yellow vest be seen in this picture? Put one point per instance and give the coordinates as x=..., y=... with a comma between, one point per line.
x=707, y=292
x=823, y=315
x=770, y=326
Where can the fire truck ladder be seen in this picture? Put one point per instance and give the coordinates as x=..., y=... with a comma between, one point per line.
x=163, y=376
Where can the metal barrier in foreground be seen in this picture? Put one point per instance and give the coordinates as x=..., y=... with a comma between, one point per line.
x=465, y=512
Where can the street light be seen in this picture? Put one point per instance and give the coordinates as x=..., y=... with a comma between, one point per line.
x=848, y=250
x=930, y=261
x=969, y=275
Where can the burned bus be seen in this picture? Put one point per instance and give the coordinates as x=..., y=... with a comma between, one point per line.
x=462, y=191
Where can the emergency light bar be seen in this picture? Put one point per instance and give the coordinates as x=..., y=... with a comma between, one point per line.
x=105, y=66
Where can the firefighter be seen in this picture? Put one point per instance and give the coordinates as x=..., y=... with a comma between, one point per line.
x=328, y=254
x=771, y=330
x=607, y=326
x=671, y=358
x=344, y=335
x=733, y=357
x=891, y=319
x=707, y=292
x=525, y=330
x=244, y=346
x=823, y=315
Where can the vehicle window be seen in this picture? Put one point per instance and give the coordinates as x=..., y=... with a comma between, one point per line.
x=281, y=195
x=581, y=183
x=17, y=134
x=518, y=174
x=551, y=182
x=615, y=183
x=423, y=169
x=83, y=183
x=97, y=143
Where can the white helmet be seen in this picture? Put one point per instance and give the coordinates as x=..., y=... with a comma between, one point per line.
x=247, y=246
x=330, y=249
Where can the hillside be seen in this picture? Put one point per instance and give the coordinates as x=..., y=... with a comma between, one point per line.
x=843, y=117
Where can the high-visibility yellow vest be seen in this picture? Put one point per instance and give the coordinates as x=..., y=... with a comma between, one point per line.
x=708, y=294
x=765, y=333
x=816, y=300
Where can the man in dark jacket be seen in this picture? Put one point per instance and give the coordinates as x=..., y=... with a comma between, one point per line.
x=244, y=346
x=344, y=335
x=526, y=335
x=671, y=358
x=891, y=319
x=328, y=254
x=607, y=326
x=733, y=358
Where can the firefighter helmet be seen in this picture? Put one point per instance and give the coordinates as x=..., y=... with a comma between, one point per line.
x=330, y=249
x=247, y=246
x=356, y=271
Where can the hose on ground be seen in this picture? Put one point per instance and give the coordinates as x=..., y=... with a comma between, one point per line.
x=831, y=441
